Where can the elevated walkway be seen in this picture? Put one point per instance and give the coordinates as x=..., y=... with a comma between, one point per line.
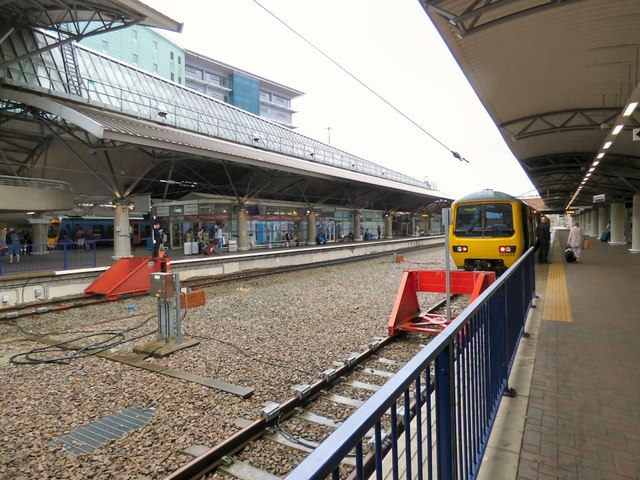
x=577, y=412
x=21, y=194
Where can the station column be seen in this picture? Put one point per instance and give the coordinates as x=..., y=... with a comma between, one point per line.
x=39, y=233
x=603, y=219
x=311, y=228
x=388, y=226
x=121, y=232
x=617, y=224
x=356, y=227
x=413, y=226
x=243, y=238
x=635, y=227
x=594, y=223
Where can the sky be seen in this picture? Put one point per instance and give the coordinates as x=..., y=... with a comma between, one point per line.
x=390, y=46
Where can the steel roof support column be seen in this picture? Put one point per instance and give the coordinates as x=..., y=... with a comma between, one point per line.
x=39, y=225
x=121, y=231
x=243, y=237
x=356, y=227
x=635, y=227
x=388, y=225
x=311, y=227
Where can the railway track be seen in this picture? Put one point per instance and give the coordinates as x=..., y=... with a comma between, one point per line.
x=292, y=429
x=47, y=306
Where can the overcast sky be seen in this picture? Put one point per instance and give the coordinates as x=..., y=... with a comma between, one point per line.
x=393, y=48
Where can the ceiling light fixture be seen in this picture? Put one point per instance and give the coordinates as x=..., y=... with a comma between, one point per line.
x=607, y=145
x=629, y=110
x=617, y=129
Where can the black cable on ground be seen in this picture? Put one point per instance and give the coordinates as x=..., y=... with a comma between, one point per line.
x=253, y=357
x=115, y=339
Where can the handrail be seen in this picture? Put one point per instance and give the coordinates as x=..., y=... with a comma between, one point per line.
x=39, y=183
x=468, y=364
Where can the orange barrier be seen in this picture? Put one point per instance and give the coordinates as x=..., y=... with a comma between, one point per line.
x=406, y=314
x=192, y=299
x=127, y=276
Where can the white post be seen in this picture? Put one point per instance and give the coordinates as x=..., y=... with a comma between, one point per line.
x=617, y=224
x=635, y=226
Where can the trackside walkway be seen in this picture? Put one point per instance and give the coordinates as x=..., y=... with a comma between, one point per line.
x=577, y=412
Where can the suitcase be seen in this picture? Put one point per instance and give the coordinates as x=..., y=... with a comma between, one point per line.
x=569, y=255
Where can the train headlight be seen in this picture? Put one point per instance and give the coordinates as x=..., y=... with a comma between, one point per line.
x=460, y=248
x=507, y=249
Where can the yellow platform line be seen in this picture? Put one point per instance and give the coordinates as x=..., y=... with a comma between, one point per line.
x=556, y=301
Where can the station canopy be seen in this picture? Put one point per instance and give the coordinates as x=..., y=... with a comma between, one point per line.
x=114, y=131
x=560, y=80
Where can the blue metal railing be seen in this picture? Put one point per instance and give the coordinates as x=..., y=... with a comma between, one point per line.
x=37, y=256
x=439, y=408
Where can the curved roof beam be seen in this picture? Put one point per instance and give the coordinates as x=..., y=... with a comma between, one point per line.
x=561, y=121
x=477, y=16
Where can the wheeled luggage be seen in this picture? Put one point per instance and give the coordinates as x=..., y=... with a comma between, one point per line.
x=569, y=255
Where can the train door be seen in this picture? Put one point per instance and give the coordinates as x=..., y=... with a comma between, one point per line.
x=260, y=232
x=330, y=231
x=135, y=237
x=176, y=235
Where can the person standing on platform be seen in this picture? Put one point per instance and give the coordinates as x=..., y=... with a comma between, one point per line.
x=156, y=239
x=80, y=238
x=575, y=240
x=543, y=232
x=14, y=242
x=220, y=239
x=379, y=231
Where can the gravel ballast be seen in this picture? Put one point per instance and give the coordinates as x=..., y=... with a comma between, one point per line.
x=267, y=333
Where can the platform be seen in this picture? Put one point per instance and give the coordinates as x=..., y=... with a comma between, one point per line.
x=577, y=411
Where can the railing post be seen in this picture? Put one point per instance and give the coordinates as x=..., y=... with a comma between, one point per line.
x=64, y=256
x=445, y=418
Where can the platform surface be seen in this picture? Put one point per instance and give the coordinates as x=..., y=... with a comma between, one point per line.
x=577, y=413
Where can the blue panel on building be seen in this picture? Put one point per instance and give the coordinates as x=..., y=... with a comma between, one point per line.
x=245, y=93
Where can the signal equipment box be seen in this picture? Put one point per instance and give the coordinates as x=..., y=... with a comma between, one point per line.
x=163, y=286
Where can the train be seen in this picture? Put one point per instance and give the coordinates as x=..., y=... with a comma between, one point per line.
x=490, y=230
x=100, y=230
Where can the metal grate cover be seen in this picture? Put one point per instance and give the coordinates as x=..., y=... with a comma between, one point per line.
x=86, y=439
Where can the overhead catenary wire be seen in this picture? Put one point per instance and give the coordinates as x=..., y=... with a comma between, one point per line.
x=455, y=154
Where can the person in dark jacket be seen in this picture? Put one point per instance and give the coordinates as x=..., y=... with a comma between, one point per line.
x=543, y=233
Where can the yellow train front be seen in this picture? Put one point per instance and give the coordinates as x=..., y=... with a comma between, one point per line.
x=490, y=230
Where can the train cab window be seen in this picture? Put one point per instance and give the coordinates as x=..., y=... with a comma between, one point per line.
x=484, y=220
x=54, y=230
x=468, y=221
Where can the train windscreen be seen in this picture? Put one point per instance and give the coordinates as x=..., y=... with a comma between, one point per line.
x=484, y=220
x=53, y=230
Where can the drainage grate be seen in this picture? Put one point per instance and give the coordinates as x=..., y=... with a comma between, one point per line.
x=86, y=439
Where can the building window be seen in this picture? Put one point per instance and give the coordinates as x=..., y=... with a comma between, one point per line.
x=135, y=35
x=265, y=96
x=179, y=60
x=192, y=73
x=179, y=79
x=135, y=59
x=213, y=79
x=105, y=45
x=155, y=68
x=173, y=77
x=171, y=56
x=280, y=100
x=155, y=45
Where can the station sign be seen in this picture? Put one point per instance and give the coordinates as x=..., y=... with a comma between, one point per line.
x=599, y=198
x=636, y=134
